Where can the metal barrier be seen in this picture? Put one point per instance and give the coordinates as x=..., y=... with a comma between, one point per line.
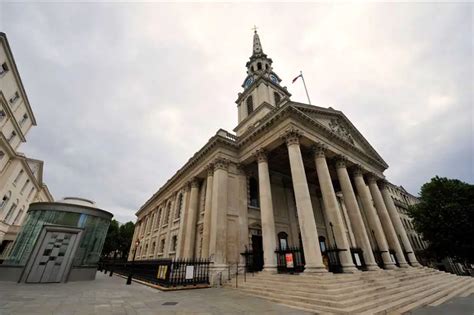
x=334, y=263
x=164, y=272
x=358, y=258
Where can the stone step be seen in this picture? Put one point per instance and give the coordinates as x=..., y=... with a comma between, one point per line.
x=294, y=284
x=390, y=304
x=440, y=294
x=457, y=292
x=338, y=301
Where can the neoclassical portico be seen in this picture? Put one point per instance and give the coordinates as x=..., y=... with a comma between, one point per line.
x=294, y=178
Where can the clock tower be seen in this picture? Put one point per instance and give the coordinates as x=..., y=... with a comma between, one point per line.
x=262, y=89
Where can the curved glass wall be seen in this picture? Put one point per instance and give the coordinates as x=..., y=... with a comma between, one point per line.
x=90, y=246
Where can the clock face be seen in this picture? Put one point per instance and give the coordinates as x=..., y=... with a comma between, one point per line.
x=248, y=82
x=273, y=78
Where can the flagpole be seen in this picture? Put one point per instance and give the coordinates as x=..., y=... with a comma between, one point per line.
x=304, y=83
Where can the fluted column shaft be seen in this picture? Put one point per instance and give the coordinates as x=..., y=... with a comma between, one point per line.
x=397, y=224
x=331, y=210
x=190, y=235
x=206, y=231
x=309, y=233
x=355, y=216
x=386, y=222
x=218, y=238
x=266, y=213
x=373, y=219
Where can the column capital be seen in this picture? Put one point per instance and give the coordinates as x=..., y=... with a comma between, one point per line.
x=221, y=163
x=383, y=183
x=241, y=168
x=194, y=182
x=261, y=155
x=372, y=178
x=292, y=136
x=210, y=169
x=358, y=170
x=341, y=161
x=319, y=150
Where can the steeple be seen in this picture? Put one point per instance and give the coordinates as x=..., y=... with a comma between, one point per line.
x=257, y=46
x=262, y=84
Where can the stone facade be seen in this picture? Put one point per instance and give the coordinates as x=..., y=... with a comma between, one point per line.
x=293, y=175
x=21, y=178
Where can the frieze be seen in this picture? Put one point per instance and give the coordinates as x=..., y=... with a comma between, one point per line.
x=338, y=127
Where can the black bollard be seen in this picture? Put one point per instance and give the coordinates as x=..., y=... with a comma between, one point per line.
x=129, y=279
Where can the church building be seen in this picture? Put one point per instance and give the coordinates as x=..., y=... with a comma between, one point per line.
x=293, y=179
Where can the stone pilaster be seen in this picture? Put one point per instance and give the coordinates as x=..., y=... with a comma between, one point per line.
x=386, y=221
x=190, y=235
x=206, y=232
x=266, y=212
x=397, y=224
x=182, y=221
x=373, y=219
x=331, y=209
x=309, y=233
x=355, y=216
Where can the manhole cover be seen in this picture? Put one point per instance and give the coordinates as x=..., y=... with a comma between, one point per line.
x=170, y=303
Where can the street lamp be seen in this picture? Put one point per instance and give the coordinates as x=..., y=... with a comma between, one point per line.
x=130, y=274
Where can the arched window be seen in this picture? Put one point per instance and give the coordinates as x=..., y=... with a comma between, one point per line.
x=146, y=250
x=153, y=246
x=18, y=216
x=283, y=240
x=11, y=211
x=253, y=69
x=179, y=206
x=259, y=66
x=249, y=105
x=266, y=66
x=277, y=98
x=322, y=243
x=253, y=193
x=24, y=186
x=158, y=218
x=167, y=213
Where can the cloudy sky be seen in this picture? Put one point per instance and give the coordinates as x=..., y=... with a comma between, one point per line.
x=125, y=93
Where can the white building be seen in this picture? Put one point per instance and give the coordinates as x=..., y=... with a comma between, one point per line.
x=21, y=178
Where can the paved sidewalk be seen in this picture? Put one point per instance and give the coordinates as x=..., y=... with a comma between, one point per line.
x=109, y=295
x=456, y=306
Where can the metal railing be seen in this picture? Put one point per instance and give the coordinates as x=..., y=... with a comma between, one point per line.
x=164, y=272
x=334, y=262
x=358, y=258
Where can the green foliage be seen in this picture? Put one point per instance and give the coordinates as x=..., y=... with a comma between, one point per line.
x=445, y=218
x=118, y=238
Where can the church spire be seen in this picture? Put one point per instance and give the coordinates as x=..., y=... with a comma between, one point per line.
x=257, y=46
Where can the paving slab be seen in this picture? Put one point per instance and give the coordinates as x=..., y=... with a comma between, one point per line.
x=455, y=306
x=109, y=295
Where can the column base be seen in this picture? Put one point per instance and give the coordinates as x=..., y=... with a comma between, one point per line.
x=390, y=266
x=416, y=264
x=315, y=269
x=350, y=269
x=404, y=265
x=269, y=269
x=373, y=267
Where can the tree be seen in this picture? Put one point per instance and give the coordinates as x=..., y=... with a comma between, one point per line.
x=119, y=238
x=445, y=218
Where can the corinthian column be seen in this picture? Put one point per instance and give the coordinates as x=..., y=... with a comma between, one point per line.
x=386, y=222
x=397, y=223
x=190, y=234
x=373, y=219
x=309, y=234
x=331, y=209
x=266, y=212
x=207, y=213
x=218, y=237
x=355, y=217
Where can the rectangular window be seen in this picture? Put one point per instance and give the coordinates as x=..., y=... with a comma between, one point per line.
x=2, y=114
x=23, y=119
x=14, y=98
x=3, y=69
x=12, y=136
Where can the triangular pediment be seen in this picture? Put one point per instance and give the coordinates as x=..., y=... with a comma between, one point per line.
x=339, y=126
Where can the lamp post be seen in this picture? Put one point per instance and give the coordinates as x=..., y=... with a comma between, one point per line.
x=130, y=274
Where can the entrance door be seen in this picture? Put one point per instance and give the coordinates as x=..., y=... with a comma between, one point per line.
x=257, y=251
x=54, y=253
